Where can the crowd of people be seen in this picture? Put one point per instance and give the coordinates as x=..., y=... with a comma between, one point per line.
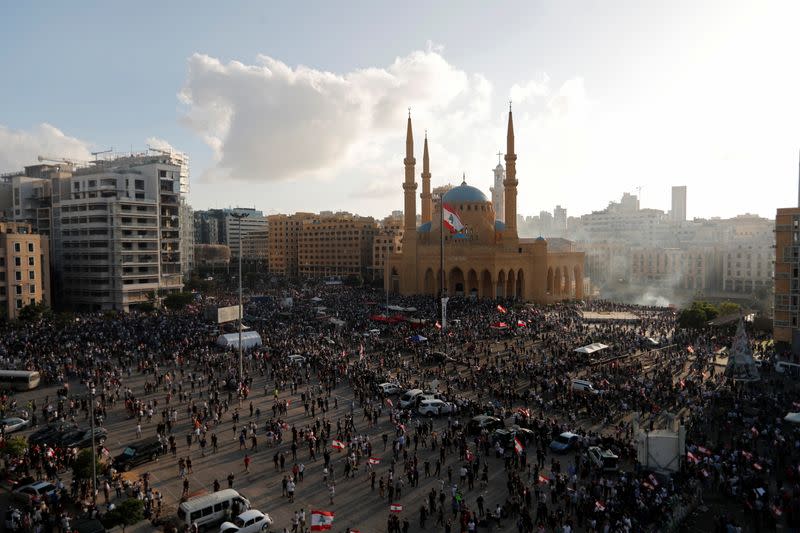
x=653, y=376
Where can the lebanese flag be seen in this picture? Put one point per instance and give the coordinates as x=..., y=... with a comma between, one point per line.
x=438, y=326
x=470, y=456
x=389, y=402
x=396, y=508
x=600, y=506
x=339, y=445
x=321, y=520
x=502, y=309
x=690, y=349
x=451, y=219
x=690, y=456
x=374, y=461
x=543, y=480
x=518, y=445
x=521, y=323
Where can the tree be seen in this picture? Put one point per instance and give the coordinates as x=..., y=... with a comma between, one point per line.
x=178, y=300
x=698, y=315
x=125, y=514
x=16, y=447
x=82, y=467
x=33, y=312
x=729, y=308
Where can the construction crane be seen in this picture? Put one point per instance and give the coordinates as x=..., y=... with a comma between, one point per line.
x=43, y=158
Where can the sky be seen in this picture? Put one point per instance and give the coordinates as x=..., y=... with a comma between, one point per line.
x=302, y=106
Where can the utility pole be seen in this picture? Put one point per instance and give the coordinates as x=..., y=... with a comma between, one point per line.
x=239, y=217
x=94, y=448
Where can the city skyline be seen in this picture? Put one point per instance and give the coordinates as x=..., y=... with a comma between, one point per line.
x=644, y=106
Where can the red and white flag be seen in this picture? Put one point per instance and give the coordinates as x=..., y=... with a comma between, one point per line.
x=339, y=445
x=451, y=219
x=470, y=456
x=374, y=461
x=389, y=402
x=321, y=520
x=692, y=457
x=600, y=506
x=396, y=508
x=501, y=309
x=438, y=325
x=518, y=445
x=521, y=323
x=543, y=480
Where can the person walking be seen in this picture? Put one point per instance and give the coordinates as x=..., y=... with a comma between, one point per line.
x=247, y=463
x=332, y=491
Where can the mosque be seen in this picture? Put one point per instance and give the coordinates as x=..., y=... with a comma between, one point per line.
x=486, y=259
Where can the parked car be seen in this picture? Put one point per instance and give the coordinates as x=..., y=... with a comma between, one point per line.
x=46, y=435
x=564, y=442
x=12, y=424
x=481, y=422
x=251, y=521
x=603, y=459
x=389, y=389
x=434, y=407
x=505, y=436
x=137, y=453
x=82, y=438
x=37, y=490
x=296, y=359
x=581, y=385
x=407, y=399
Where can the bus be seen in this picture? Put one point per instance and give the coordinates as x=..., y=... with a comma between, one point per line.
x=19, y=379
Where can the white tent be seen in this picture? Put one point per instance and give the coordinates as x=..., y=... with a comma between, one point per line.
x=794, y=418
x=231, y=340
x=591, y=348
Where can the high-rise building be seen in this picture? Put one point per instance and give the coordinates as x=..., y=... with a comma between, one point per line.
x=120, y=232
x=787, y=278
x=498, y=193
x=24, y=268
x=283, y=237
x=388, y=241
x=678, y=212
x=253, y=221
x=336, y=245
x=559, y=222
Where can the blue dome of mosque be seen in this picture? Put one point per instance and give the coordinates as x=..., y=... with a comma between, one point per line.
x=464, y=193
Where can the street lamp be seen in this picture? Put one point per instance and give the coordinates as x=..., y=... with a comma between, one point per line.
x=94, y=448
x=239, y=217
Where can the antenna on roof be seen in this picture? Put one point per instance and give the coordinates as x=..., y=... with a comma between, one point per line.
x=95, y=154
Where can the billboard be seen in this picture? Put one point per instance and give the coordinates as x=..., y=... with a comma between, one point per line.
x=227, y=314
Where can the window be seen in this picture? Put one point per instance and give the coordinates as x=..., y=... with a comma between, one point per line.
x=32, y=289
x=31, y=261
x=17, y=247
x=18, y=289
x=19, y=304
x=18, y=275
x=30, y=247
x=18, y=261
x=31, y=274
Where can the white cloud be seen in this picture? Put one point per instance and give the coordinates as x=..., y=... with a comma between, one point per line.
x=21, y=147
x=269, y=122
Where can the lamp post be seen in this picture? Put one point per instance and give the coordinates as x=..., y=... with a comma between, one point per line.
x=94, y=447
x=239, y=217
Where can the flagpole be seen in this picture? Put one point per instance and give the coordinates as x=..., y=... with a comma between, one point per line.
x=442, y=290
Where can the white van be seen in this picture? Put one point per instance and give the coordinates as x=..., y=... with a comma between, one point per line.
x=581, y=385
x=407, y=399
x=212, y=509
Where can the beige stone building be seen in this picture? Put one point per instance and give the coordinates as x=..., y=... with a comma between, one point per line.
x=24, y=268
x=336, y=245
x=389, y=240
x=787, y=278
x=486, y=259
x=283, y=239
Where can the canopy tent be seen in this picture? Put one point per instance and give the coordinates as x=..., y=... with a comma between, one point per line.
x=417, y=338
x=794, y=418
x=591, y=348
x=250, y=339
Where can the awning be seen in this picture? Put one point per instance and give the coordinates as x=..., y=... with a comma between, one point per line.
x=591, y=348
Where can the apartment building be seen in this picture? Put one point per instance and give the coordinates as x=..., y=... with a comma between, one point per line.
x=388, y=241
x=690, y=269
x=120, y=232
x=787, y=278
x=24, y=268
x=283, y=238
x=336, y=245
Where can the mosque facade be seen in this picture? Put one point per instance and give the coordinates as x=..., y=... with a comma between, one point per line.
x=486, y=259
